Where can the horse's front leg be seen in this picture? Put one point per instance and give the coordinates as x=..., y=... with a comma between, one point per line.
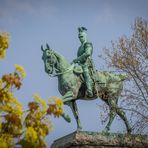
x=76, y=115
x=69, y=99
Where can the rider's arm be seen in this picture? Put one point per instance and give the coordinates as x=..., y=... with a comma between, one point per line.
x=88, y=52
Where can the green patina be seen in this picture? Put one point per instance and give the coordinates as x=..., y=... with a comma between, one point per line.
x=82, y=81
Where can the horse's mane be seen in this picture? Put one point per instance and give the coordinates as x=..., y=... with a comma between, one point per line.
x=61, y=59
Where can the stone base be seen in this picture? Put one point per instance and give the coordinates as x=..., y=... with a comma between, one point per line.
x=84, y=139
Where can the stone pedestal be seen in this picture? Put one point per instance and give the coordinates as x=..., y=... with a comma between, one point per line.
x=84, y=139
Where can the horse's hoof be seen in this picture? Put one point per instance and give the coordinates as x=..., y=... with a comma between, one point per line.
x=105, y=131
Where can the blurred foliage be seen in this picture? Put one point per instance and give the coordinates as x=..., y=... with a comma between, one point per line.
x=4, y=43
x=19, y=126
x=130, y=55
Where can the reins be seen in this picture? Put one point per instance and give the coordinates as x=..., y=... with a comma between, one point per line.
x=61, y=73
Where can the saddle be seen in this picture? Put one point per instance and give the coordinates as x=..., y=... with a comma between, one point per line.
x=79, y=71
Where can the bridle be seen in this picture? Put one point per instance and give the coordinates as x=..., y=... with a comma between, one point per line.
x=60, y=73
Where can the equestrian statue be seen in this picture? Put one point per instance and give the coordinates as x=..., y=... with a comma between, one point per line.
x=79, y=80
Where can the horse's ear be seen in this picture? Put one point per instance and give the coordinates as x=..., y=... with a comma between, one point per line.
x=47, y=46
x=42, y=48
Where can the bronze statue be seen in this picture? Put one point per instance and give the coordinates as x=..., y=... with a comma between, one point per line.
x=83, y=82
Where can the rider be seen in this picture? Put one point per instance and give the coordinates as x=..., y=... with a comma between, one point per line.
x=84, y=59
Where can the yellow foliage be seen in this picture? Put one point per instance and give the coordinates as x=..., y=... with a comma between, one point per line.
x=25, y=127
x=40, y=101
x=58, y=102
x=12, y=80
x=18, y=107
x=7, y=97
x=6, y=108
x=4, y=43
x=1, y=83
x=36, y=120
x=6, y=141
x=55, y=107
x=3, y=143
x=2, y=53
x=11, y=110
x=20, y=69
x=31, y=135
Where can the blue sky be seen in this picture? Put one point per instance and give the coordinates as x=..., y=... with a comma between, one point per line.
x=35, y=22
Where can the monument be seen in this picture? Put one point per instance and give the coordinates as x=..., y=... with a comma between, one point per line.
x=80, y=80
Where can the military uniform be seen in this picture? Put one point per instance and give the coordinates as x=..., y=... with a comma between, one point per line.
x=84, y=60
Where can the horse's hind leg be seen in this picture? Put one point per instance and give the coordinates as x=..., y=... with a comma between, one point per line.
x=112, y=115
x=114, y=108
x=121, y=113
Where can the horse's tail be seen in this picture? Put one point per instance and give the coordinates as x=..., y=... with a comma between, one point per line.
x=123, y=77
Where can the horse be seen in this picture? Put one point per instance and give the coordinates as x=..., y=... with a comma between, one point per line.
x=108, y=86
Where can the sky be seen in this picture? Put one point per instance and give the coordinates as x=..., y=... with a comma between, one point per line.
x=33, y=23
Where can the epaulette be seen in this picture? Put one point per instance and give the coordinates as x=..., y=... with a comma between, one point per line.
x=88, y=44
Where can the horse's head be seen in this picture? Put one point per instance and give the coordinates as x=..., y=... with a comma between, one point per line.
x=49, y=59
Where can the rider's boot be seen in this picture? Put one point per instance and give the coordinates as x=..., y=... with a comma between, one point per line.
x=88, y=81
x=89, y=91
